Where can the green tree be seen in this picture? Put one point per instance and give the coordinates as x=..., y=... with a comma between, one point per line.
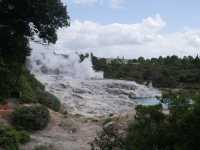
x=178, y=130
x=151, y=129
x=46, y=15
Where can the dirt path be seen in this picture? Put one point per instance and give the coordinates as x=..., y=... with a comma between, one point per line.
x=69, y=132
x=66, y=133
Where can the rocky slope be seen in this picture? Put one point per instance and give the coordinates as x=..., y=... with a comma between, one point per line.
x=95, y=98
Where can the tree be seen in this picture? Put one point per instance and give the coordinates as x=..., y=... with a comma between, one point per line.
x=16, y=16
x=151, y=129
x=146, y=132
x=178, y=130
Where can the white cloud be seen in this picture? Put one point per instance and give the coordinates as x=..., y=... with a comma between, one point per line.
x=85, y=2
x=117, y=3
x=113, y=3
x=130, y=40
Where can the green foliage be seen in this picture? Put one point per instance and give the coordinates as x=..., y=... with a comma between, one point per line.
x=146, y=131
x=23, y=137
x=27, y=93
x=31, y=118
x=108, y=139
x=32, y=91
x=179, y=130
x=8, y=139
x=46, y=16
x=29, y=87
x=49, y=100
x=168, y=72
x=11, y=138
x=25, y=87
x=154, y=130
x=8, y=80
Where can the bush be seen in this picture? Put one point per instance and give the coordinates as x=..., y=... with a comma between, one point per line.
x=27, y=93
x=151, y=129
x=8, y=79
x=49, y=100
x=17, y=82
x=179, y=130
x=23, y=137
x=29, y=87
x=26, y=88
x=11, y=138
x=32, y=91
x=146, y=132
x=31, y=118
x=110, y=138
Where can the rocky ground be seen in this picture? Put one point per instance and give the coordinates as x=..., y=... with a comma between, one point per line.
x=96, y=98
x=68, y=132
x=88, y=105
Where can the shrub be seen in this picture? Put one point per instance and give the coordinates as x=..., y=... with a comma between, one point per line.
x=29, y=86
x=26, y=88
x=32, y=91
x=147, y=130
x=27, y=93
x=110, y=138
x=11, y=138
x=8, y=78
x=179, y=129
x=23, y=137
x=49, y=100
x=31, y=118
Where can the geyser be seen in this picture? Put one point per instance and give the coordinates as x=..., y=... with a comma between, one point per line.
x=65, y=76
x=49, y=59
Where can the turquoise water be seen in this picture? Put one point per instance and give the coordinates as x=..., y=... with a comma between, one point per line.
x=150, y=102
x=147, y=101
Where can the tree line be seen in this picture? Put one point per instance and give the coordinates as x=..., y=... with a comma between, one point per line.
x=163, y=72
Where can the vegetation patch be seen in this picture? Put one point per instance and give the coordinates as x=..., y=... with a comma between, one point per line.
x=163, y=72
x=152, y=129
x=31, y=118
x=10, y=139
x=49, y=100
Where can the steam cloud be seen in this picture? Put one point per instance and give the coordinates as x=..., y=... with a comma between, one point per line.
x=49, y=59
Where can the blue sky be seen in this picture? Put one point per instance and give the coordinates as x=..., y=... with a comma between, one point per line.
x=177, y=13
x=133, y=28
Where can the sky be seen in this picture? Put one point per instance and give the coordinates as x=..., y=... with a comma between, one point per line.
x=132, y=28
